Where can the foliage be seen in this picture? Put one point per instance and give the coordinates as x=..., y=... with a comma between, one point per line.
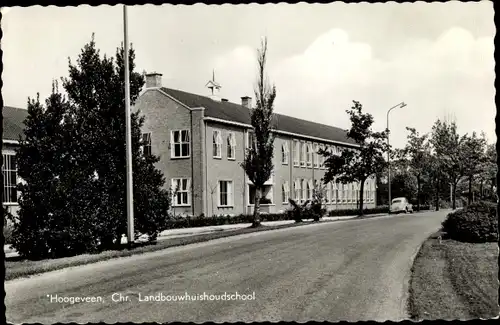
x=73, y=162
x=473, y=158
x=415, y=155
x=403, y=184
x=476, y=223
x=447, y=149
x=258, y=162
x=357, y=164
x=298, y=211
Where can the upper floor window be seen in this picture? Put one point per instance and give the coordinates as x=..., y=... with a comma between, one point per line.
x=217, y=143
x=322, y=158
x=231, y=145
x=9, y=172
x=303, y=154
x=250, y=139
x=181, y=190
x=284, y=153
x=180, y=143
x=146, y=144
x=309, y=154
x=316, y=155
x=296, y=153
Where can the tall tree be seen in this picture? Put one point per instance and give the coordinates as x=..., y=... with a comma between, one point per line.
x=473, y=157
x=357, y=164
x=81, y=150
x=488, y=171
x=416, y=154
x=258, y=163
x=446, y=144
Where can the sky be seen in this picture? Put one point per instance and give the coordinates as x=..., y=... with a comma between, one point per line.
x=438, y=58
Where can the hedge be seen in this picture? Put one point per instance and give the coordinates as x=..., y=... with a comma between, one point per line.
x=379, y=209
x=476, y=223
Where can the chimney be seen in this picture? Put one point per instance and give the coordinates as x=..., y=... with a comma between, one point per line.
x=246, y=101
x=153, y=80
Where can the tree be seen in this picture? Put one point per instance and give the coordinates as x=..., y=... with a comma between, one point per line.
x=416, y=154
x=473, y=158
x=357, y=165
x=73, y=161
x=258, y=162
x=446, y=144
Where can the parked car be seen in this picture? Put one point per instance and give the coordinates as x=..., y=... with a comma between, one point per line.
x=401, y=204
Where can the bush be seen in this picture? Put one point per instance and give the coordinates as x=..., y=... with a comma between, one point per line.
x=476, y=223
x=354, y=211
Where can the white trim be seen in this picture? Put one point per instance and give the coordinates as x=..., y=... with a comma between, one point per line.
x=172, y=144
x=213, y=119
x=285, y=150
x=197, y=108
x=217, y=144
x=229, y=194
x=7, y=141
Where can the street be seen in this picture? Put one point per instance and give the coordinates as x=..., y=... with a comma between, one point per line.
x=351, y=270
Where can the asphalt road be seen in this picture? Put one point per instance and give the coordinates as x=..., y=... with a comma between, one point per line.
x=351, y=270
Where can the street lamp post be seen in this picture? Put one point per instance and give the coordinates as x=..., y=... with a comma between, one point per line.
x=402, y=104
x=128, y=136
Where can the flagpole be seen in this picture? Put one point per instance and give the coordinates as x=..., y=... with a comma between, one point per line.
x=128, y=132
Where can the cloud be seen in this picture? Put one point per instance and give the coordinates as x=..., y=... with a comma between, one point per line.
x=451, y=74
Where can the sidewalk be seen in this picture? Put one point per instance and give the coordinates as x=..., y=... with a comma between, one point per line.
x=187, y=232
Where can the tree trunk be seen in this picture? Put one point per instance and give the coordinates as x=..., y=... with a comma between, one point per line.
x=453, y=196
x=362, y=188
x=481, y=190
x=418, y=193
x=469, y=196
x=256, y=209
x=436, y=198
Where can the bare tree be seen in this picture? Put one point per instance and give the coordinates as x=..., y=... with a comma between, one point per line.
x=212, y=189
x=258, y=163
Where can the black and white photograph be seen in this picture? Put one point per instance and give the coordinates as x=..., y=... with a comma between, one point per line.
x=249, y=162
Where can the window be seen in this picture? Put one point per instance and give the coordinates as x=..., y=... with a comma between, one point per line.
x=334, y=192
x=231, y=145
x=356, y=192
x=180, y=144
x=250, y=139
x=225, y=193
x=310, y=187
x=298, y=190
x=9, y=172
x=217, y=144
x=328, y=198
x=305, y=187
x=321, y=158
x=309, y=154
x=316, y=156
x=181, y=189
x=285, y=192
x=146, y=144
x=296, y=153
x=303, y=154
x=340, y=192
x=345, y=193
x=284, y=153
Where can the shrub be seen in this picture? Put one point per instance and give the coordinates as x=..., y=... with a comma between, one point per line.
x=477, y=223
x=354, y=211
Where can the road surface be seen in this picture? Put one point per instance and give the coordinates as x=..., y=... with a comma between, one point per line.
x=351, y=270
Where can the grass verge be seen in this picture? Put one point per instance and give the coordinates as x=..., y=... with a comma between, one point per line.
x=454, y=280
x=16, y=267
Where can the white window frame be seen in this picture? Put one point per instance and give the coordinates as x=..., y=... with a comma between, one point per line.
x=285, y=192
x=340, y=189
x=285, y=153
x=310, y=185
x=250, y=135
x=316, y=156
x=309, y=153
x=231, y=146
x=181, y=143
x=146, y=143
x=217, y=144
x=229, y=194
x=296, y=153
x=187, y=189
x=297, y=190
x=321, y=158
x=8, y=183
x=334, y=192
x=345, y=196
x=305, y=184
x=303, y=157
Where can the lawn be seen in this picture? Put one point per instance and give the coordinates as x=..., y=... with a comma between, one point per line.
x=454, y=280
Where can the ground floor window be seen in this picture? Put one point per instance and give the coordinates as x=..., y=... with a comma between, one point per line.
x=285, y=192
x=9, y=173
x=225, y=193
x=181, y=190
x=266, y=195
